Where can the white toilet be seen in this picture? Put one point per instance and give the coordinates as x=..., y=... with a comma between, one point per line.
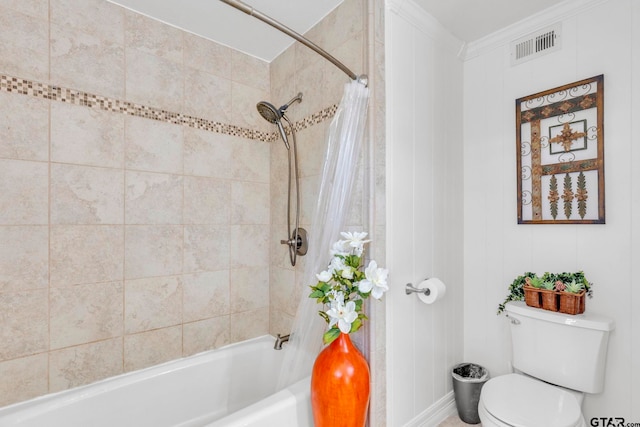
x=557, y=357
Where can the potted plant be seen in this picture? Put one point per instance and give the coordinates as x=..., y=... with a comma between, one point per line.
x=563, y=292
x=340, y=376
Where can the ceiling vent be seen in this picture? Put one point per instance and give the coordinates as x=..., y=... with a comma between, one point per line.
x=536, y=44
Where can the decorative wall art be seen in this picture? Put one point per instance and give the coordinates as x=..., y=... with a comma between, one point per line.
x=560, y=154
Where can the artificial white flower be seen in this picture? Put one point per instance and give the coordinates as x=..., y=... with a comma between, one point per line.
x=325, y=276
x=355, y=240
x=341, y=247
x=344, y=315
x=375, y=280
x=337, y=265
x=336, y=298
x=347, y=273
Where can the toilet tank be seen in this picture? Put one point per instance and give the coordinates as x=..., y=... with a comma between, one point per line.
x=562, y=349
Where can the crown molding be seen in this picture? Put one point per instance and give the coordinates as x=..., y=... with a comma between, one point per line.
x=560, y=12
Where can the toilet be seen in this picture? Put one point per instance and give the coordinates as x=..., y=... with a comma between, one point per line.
x=556, y=358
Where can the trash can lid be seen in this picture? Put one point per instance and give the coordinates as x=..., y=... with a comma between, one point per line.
x=522, y=401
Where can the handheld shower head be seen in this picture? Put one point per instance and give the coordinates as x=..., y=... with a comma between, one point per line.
x=274, y=115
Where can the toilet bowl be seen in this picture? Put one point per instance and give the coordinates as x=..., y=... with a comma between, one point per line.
x=557, y=358
x=515, y=400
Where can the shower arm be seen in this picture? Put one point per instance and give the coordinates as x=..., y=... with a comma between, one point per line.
x=288, y=31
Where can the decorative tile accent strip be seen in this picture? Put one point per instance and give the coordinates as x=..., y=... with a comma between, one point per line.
x=77, y=97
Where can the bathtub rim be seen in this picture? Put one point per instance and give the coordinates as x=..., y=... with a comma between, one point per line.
x=24, y=410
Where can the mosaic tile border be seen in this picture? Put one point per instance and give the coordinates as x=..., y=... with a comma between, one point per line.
x=56, y=93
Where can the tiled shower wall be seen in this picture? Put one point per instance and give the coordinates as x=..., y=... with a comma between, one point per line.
x=125, y=241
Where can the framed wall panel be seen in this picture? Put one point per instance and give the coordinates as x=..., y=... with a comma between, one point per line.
x=560, y=154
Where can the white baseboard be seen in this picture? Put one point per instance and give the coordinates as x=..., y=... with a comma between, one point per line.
x=436, y=413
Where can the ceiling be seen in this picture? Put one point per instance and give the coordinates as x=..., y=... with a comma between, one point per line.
x=468, y=20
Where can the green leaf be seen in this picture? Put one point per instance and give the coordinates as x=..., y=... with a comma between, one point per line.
x=356, y=325
x=331, y=335
x=316, y=294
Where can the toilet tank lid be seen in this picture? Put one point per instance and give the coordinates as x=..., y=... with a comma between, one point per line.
x=584, y=320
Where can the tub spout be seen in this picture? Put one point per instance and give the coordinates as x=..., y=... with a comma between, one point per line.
x=280, y=339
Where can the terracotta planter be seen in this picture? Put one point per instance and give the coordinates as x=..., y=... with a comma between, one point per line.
x=340, y=386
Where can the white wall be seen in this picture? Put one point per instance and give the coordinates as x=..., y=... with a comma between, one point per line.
x=424, y=211
x=600, y=37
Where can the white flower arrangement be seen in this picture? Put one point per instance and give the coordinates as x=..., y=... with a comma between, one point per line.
x=343, y=287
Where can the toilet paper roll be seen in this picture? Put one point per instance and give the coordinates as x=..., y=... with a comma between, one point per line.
x=436, y=290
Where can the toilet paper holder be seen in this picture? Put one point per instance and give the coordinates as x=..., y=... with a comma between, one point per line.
x=410, y=289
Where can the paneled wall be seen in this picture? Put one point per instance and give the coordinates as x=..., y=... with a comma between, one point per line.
x=598, y=37
x=424, y=212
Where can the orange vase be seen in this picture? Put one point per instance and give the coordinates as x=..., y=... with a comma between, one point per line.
x=340, y=385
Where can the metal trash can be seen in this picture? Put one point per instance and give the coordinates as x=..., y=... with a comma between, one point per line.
x=468, y=379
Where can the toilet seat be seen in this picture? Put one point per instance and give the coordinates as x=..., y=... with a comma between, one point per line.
x=520, y=401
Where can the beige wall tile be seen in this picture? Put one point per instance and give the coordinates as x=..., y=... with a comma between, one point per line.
x=250, y=71
x=208, y=154
x=280, y=322
x=24, y=45
x=24, y=192
x=85, y=364
x=207, y=96
x=249, y=324
x=86, y=136
x=205, y=55
x=249, y=289
x=24, y=327
x=314, y=148
x=205, y=335
x=86, y=195
x=249, y=203
x=35, y=8
x=23, y=378
x=281, y=289
x=82, y=254
x=243, y=107
x=153, y=146
x=98, y=17
x=151, y=348
x=206, y=201
x=249, y=246
x=154, y=81
x=26, y=133
x=342, y=24
x=24, y=258
x=85, y=61
x=152, y=36
x=250, y=160
x=205, y=295
x=85, y=313
x=152, y=303
x=206, y=248
x=153, y=198
x=153, y=250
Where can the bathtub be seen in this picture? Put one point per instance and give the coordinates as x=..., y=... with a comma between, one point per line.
x=232, y=386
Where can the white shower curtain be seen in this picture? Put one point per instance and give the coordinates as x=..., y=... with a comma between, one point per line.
x=344, y=143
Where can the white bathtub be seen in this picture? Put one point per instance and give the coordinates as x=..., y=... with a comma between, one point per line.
x=231, y=386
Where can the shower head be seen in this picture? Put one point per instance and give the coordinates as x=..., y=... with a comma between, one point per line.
x=268, y=111
x=273, y=114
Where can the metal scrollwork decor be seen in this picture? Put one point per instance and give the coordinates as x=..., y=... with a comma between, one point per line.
x=560, y=154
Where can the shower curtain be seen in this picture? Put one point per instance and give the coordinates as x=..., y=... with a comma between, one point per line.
x=344, y=143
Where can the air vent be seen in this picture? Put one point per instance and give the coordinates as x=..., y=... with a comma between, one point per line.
x=536, y=44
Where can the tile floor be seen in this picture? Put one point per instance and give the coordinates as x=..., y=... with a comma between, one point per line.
x=455, y=421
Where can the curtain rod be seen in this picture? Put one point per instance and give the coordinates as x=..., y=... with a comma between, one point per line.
x=288, y=31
